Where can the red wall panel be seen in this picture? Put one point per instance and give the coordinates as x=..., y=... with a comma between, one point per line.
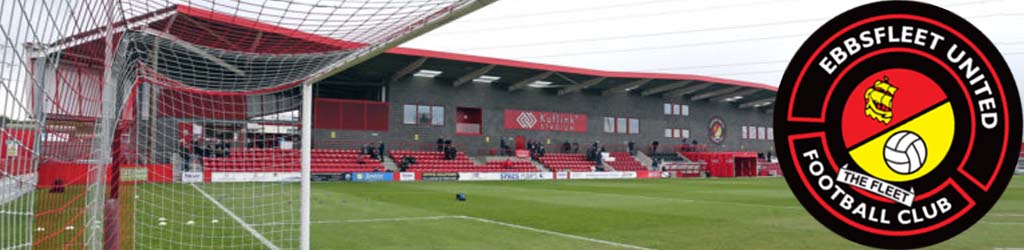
x=350, y=114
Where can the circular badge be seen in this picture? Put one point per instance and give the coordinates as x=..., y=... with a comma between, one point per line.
x=716, y=130
x=898, y=125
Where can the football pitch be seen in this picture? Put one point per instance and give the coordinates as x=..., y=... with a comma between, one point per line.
x=739, y=213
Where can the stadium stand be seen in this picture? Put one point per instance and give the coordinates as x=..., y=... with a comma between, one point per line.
x=433, y=161
x=273, y=160
x=666, y=157
x=561, y=162
x=517, y=165
x=625, y=162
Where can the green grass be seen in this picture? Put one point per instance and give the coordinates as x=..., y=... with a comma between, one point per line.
x=662, y=214
x=755, y=213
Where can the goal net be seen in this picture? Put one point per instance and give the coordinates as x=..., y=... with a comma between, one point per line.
x=176, y=124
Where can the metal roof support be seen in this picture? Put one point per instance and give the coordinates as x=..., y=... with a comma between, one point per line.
x=529, y=80
x=666, y=87
x=408, y=69
x=743, y=93
x=713, y=93
x=625, y=87
x=687, y=90
x=753, y=103
x=586, y=84
x=472, y=75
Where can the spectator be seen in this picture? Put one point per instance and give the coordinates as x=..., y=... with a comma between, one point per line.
x=540, y=151
x=197, y=152
x=447, y=145
x=227, y=149
x=220, y=149
x=451, y=153
x=372, y=151
x=654, y=148
x=533, y=150
x=407, y=161
x=381, y=150
x=440, y=144
x=576, y=147
x=185, y=152
x=504, y=148
x=566, y=147
x=631, y=146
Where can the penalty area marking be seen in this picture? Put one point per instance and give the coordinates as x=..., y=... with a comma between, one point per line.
x=494, y=222
x=245, y=225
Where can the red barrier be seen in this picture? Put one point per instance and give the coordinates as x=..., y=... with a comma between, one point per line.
x=726, y=164
x=653, y=174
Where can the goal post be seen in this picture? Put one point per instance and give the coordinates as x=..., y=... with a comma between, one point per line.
x=176, y=124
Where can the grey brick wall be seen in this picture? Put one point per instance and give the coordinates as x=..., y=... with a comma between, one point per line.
x=494, y=100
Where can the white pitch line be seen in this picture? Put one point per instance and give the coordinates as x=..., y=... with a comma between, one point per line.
x=521, y=227
x=247, y=227
x=364, y=220
x=557, y=233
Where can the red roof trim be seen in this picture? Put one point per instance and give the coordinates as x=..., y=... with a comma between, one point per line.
x=201, y=13
x=207, y=14
x=573, y=70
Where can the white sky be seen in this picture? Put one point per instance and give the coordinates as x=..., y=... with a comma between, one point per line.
x=750, y=40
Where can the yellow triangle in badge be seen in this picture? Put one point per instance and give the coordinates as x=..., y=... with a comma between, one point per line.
x=911, y=150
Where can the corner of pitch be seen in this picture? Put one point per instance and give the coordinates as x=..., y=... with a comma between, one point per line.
x=847, y=193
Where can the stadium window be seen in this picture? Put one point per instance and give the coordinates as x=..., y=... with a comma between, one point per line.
x=771, y=136
x=409, y=114
x=621, y=126
x=677, y=133
x=761, y=133
x=437, y=118
x=677, y=109
x=609, y=125
x=634, y=126
x=744, y=135
x=423, y=114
